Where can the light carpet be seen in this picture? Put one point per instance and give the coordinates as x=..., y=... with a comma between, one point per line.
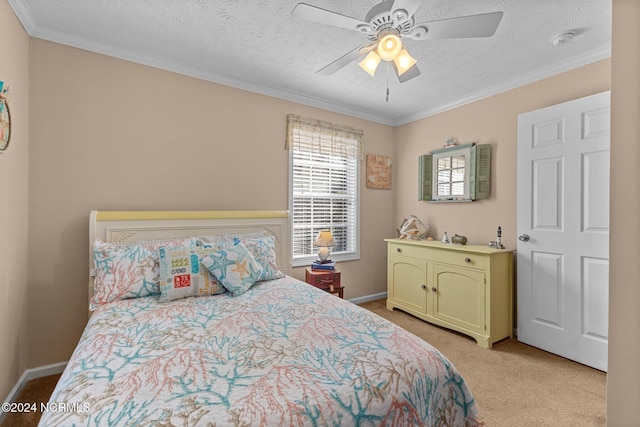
x=514, y=384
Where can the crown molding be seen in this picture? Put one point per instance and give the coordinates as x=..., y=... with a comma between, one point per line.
x=24, y=15
x=523, y=80
x=26, y=18
x=154, y=62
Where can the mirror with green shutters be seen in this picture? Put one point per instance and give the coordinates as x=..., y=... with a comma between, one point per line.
x=455, y=174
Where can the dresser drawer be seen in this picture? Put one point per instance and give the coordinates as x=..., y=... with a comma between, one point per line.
x=460, y=259
x=407, y=250
x=322, y=279
x=453, y=257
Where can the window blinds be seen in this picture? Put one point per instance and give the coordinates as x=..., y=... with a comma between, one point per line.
x=324, y=185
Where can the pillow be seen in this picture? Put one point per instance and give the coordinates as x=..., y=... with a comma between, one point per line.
x=182, y=275
x=262, y=245
x=234, y=266
x=263, y=250
x=128, y=269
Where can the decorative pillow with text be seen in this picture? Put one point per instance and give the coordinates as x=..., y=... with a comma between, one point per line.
x=128, y=269
x=182, y=275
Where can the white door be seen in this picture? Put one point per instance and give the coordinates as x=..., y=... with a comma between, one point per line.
x=563, y=229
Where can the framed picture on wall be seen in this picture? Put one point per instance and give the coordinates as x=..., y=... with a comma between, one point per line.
x=378, y=172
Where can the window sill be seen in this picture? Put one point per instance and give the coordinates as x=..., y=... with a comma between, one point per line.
x=450, y=200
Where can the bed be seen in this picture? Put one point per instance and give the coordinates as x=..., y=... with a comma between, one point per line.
x=278, y=353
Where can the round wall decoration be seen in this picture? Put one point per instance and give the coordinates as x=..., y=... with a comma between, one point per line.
x=5, y=124
x=5, y=117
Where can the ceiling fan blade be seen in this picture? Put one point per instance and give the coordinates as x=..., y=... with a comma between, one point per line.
x=482, y=25
x=346, y=59
x=411, y=73
x=323, y=16
x=407, y=7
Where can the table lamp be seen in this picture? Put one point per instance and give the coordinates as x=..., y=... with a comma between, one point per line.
x=324, y=240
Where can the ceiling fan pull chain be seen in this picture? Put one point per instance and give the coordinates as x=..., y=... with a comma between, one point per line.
x=387, y=98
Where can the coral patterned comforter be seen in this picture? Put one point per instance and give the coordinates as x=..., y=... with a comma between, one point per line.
x=282, y=354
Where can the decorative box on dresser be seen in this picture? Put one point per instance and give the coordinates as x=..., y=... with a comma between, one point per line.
x=467, y=288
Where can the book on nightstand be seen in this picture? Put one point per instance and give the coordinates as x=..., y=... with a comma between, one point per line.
x=325, y=265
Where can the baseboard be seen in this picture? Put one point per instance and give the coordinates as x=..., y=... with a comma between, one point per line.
x=367, y=298
x=30, y=374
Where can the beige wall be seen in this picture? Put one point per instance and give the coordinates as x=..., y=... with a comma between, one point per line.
x=623, y=379
x=91, y=116
x=14, y=314
x=110, y=134
x=492, y=121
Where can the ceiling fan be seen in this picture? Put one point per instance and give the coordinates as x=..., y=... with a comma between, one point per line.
x=386, y=24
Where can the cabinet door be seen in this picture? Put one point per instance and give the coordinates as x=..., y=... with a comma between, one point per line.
x=459, y=296
x=407, y=277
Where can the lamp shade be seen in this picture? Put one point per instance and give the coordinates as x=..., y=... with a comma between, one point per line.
x=389, y=47
x=404, y=61
x=370, y=63
x=324, y=238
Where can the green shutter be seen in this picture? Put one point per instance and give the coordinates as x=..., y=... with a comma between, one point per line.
x=480, y=183
x=424, y=176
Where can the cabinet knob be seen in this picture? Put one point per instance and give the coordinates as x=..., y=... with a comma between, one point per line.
x=467, y=260
x=398, y=250
x=434, y=289
x=424, y=286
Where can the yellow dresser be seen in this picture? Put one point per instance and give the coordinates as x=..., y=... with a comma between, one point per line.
x=465, y=288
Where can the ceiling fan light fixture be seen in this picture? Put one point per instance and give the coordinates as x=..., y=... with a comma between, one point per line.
x=389, y=47
x=386, y=24
x=404, y=61
x=370, y=63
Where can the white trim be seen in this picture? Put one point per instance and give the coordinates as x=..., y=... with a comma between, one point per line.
x=367, y=298
x=176, y=67
x=522, y=80
x=24, y=15
x=31, y=374
x=26, y=18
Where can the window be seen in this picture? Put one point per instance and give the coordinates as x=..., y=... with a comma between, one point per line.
x=323, y=187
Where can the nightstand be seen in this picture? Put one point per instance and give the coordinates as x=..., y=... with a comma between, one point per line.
x=327, y=280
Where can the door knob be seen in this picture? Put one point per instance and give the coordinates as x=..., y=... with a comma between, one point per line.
x=523, y=237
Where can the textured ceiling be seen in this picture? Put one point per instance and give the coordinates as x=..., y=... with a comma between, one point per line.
x=259, y=46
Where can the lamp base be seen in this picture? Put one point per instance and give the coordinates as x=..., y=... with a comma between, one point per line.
x=323, y=253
